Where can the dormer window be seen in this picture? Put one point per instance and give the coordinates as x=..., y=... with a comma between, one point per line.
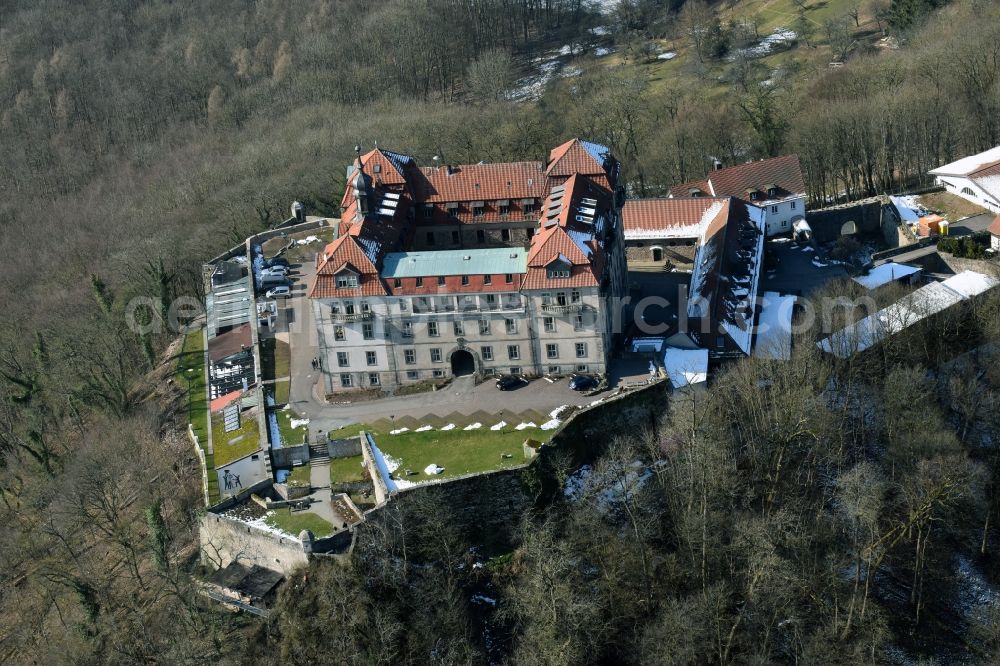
x=377, y=168
x=347, y=281
x=559, y=268
x=503, y=207
x=695, y=192
x=478, y=208
x=428, y=212
x=772, y=190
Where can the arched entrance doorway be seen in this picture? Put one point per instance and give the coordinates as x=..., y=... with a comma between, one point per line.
x=462, y=363
x=657, y=254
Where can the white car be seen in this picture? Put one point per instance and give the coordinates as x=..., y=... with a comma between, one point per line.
x=279, y=292
x=280, y=271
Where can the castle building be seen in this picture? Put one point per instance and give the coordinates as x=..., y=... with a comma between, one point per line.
x=441, y=271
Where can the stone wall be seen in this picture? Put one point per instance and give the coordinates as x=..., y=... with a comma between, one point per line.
x=284, y=456
x=959, y=264
x=827, y=224
x=345, y=448
x=676, y=252
x=225, y=540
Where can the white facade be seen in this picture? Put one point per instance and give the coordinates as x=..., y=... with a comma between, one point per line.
x=781, y=214
x=975, y=178
x=971, y=190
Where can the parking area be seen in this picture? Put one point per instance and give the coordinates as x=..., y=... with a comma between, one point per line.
x=792, y=268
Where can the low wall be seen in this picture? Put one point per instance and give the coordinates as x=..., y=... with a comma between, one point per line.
x=959, y=264
x=286, y=455
x=381, y=491
x=202, y=464
x=344, y=448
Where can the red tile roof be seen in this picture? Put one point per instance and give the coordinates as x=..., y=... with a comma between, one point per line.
x=665, y=214
x=570, y=158
x=481, y=182
x=995, y=227
x=783, y=172
x=229, y=343
x=381, y=169
x=345, y=252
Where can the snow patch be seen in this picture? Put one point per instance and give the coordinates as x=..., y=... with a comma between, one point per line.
x=433, y=469
x=526, y=424
x=399, y=431
x=499, y=426
x=424, y=428
x=669, y=55
x=473, y=426
x=450, y=426
x=299, y=423
x=550, y=425
x=602, y=51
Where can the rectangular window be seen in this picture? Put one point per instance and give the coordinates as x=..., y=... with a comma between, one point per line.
x=436, y=355
x=551, y=350
x=774, y=209
x=342, y=359
x=549, y=324
x=574, y=297
x=581, y=350
x=792, y=205
x=458, y=327
x=484, y=327
x=335, y=308
x=440, y=280
x=397, y=283
x=486, y=352
x=347, y=281
x=465, y=280
x=513, y=352
x=480, y=236
x=455, y=238
x=529, y=208
x=504, y=210
x=338, y=333
x=432, y=329
x=428, y=212
x=345, y=380
x=581, y=368
x=349, y=307
x=365, y=307
x=403, y=304
x=511, y=325
x=420, y=282
x=508, y=278
x=561, y=298
x=491, y=301
x=505, y=234
x=371, y=358
x=410, y=356
x=578, y=323
x=439, y=373
x=412, y=374
x=487, y=279
x=373, y=378
x=430, y=238
x=368, y=331
x=514, y=370
x=407, y=330
x=553, y=370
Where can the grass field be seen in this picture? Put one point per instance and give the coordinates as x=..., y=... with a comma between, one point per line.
x=952, y=207
x=293, y=523
x=346, y=470
x=289, y=436
x=275, y=357
x=299, y=476
x=191, y=375
x=279, y=390
x=458, y=451
x=230, y=446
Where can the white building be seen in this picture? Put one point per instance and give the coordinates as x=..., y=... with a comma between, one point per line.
x=975, y=178
x=774, y=185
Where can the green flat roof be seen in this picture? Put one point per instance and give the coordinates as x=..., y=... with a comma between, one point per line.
x=493, y=261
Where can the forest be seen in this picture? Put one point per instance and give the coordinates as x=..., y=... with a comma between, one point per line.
x=817, y=520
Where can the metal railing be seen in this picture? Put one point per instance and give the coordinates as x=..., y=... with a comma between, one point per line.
x=357, y=316
x=562, y=307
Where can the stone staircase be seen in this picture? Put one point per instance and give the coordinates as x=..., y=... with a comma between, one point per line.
x=319, y=452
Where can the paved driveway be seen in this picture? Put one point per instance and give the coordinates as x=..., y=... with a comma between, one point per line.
x=796, y=273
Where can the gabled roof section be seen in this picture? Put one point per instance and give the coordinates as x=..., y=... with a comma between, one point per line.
x=345, y=252
x=549, y=244
x=782, y=173
x=995, y=227
x=685, y=217
x=386, y=167
x=481, y=182
x=231, y=342
x=578, y=156
x=972, y=166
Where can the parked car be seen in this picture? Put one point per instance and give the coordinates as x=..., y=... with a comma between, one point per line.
x=272, y=280
x=276, y=261
x=510, y=382
x=274, y=270
x=584, y=382
x=279, y=292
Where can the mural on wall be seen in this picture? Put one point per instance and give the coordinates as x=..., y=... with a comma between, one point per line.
x=231, y=481
x=241, y=474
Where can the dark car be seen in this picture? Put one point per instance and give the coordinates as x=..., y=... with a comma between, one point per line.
x=584, y=382
x=276, y=261
x=510, y=382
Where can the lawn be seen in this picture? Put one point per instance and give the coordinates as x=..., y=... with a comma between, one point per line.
x=289, y=436
x=279, y=390
x=299, y=476
x=347, y=470
x=275, y=357
x=191, y=375
x=293, y=523
x=230, y=446
x=952, y=207
x=458, y=451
